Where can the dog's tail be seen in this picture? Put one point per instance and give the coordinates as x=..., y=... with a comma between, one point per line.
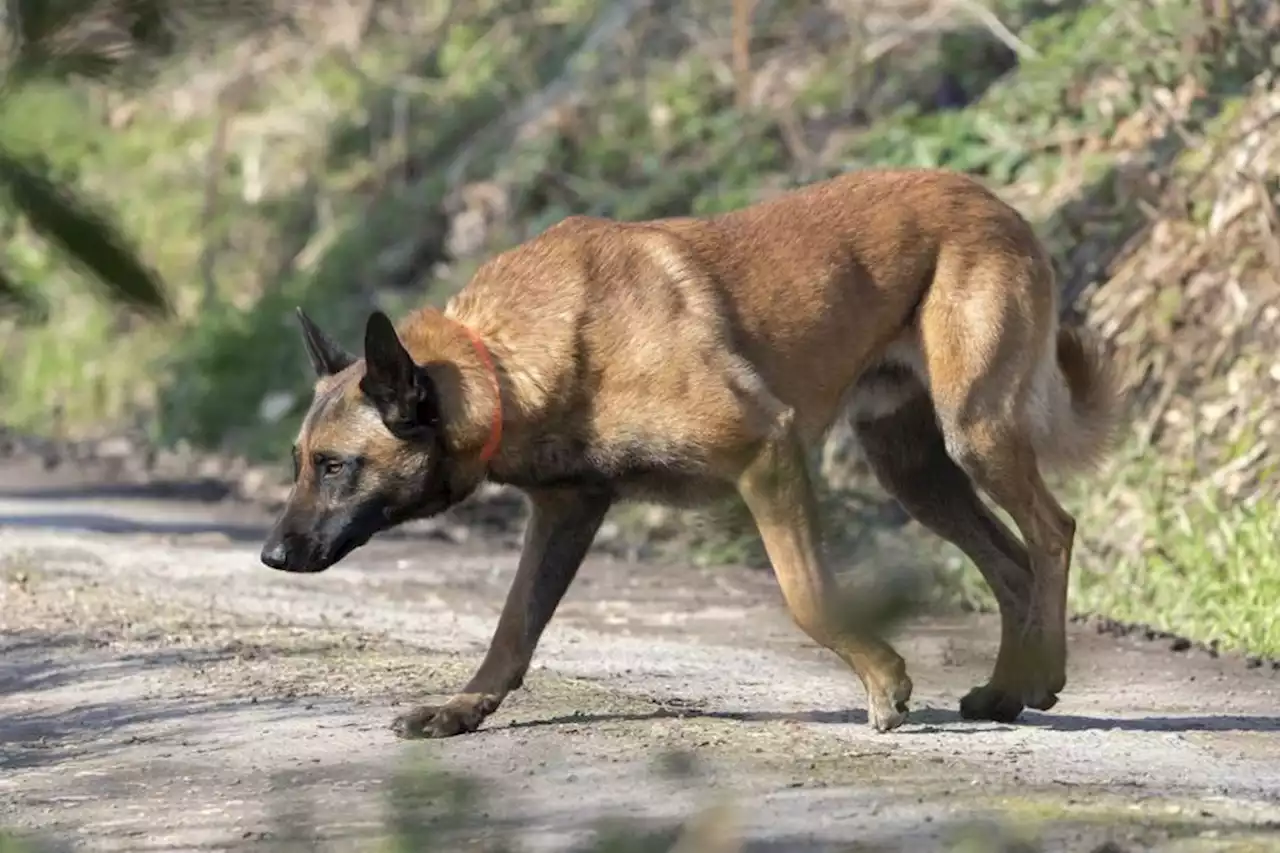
x=1080, y=425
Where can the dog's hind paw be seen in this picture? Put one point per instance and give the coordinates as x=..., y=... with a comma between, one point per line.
x=989, y=702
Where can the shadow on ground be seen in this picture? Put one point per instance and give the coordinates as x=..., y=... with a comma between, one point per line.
x=195, y=490
x=933, y=718
x=102, y=523
x=92, y=728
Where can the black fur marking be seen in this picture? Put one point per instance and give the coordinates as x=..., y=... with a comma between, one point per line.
x=325, y=355
x=401, y=391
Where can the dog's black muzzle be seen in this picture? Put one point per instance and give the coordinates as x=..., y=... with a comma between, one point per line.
x=289, y=552
x=323, y=544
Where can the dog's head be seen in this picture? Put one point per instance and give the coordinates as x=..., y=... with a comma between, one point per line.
x=371, y=453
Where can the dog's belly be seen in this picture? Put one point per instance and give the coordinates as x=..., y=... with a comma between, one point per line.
x=654, y=472
x=895, y=379
x=646, y=486
x=672, y=489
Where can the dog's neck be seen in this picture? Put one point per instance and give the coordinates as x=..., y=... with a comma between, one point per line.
x=467, y=378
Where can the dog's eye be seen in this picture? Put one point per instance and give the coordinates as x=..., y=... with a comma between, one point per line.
x=329, y=467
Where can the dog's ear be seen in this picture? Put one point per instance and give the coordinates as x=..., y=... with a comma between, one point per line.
x=402, y=392
x=327, y=357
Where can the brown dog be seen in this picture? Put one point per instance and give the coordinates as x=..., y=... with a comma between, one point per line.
x=679, y=359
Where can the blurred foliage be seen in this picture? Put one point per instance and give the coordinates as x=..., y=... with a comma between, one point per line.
x=82, y=235
x=1205, y=566
x=59, y=44
x=337, y=163
x=326, y=168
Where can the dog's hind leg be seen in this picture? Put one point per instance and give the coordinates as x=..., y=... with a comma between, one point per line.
x=906, y=451
x=776, y=488
x=988, y=360
x=560, y=530
x=1004, y=464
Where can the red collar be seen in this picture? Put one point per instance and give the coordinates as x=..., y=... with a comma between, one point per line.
x=490, y=448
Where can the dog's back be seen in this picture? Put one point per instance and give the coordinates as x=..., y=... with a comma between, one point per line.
x=821, y=290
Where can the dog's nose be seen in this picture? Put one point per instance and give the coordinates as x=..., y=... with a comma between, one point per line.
x=275, y=554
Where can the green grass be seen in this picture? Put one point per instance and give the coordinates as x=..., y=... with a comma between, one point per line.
x=1198, y=564
x=11, y=844
x=1211, y=573
x=1151, y=549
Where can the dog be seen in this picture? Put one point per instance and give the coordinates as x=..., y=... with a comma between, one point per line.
x=686, y=359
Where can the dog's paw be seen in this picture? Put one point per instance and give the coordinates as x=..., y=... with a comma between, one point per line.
x=885, y=717
x=989, y=702
x=886, y=710
x=458, y=716
x=435, y=721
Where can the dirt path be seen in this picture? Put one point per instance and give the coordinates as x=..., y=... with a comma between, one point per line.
x=164, y=691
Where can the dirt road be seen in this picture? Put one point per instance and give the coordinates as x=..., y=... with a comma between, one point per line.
x=161, y=690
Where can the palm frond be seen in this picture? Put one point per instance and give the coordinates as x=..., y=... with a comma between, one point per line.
x=86, y=237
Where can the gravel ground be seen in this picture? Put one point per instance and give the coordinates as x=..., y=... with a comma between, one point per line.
x=161, y=690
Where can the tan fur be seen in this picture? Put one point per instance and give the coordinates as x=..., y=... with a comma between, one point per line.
x=681, y=359
x=1084, y=406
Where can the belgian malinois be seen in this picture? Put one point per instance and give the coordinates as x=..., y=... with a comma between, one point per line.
x=678, y=360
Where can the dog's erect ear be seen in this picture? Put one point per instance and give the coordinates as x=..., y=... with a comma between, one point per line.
x=327, y=358
x=402, y=391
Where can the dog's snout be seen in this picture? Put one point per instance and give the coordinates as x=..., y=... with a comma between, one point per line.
x=275, y=553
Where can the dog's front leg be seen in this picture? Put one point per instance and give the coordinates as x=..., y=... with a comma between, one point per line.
x=776, y=488
x=561, y=528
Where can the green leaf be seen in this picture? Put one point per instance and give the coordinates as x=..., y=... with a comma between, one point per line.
x=86, y=237
x=18, y=299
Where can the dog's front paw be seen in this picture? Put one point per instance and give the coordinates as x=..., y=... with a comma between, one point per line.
x=887, y=707
x=460, y=715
